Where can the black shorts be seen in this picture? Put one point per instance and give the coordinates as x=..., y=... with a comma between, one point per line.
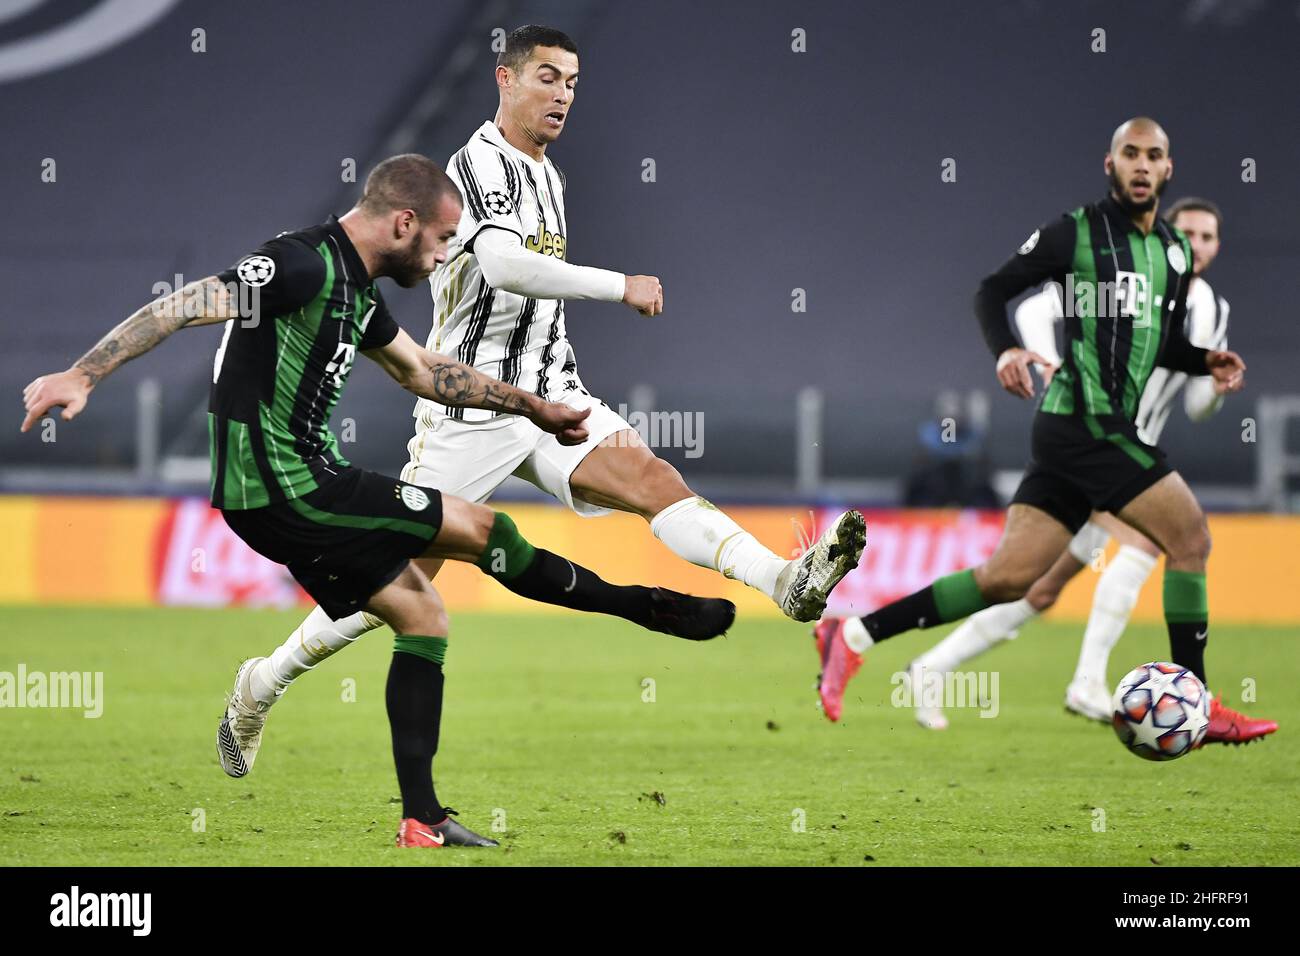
x=1083, y=464
x=347, y=539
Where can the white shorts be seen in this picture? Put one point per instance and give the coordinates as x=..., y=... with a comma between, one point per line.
x=471, y=459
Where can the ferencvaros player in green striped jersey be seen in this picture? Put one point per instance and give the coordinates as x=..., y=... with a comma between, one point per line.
x=297, y=312
x=1125, y=275
x=1119, y=584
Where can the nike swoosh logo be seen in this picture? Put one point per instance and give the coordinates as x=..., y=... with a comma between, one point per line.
x=1202, y=635
x=574, y=583
x=437, y=838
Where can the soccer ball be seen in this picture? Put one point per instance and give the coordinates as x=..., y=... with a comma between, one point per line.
x=1160, y=711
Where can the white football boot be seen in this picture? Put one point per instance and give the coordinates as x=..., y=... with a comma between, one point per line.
x=931, y=718
x=240, y=733
x=805, y=584
x=1088, y=699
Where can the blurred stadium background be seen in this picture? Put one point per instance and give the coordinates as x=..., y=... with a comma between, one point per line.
x=774, y=171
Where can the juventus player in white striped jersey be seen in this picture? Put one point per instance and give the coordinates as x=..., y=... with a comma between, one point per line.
x=499, y=305
x=1117, y=589
x=488, y=322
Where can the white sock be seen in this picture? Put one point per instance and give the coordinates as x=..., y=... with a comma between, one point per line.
x=977, y=634
x=1112, y=603
x=696, y=530
x=315, y=639
x=856, y=636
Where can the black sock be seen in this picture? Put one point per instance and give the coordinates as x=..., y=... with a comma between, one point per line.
x=552, y=579
x=915, y=610
x=542, y=576
x=414, y=699
x=1187, y=640
x=1187, y=615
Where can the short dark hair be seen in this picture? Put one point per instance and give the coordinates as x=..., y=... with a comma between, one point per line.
x=522, y=40
x=407, y=181
x=1196, y=204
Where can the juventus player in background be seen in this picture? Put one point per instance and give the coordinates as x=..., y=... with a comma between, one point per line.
x=1128, y=275
x=499, y=306
x=1119, y=585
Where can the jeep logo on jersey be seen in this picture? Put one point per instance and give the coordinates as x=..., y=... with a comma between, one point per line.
x=256, y=270
x=1028, y=245
x=1177, y=258
x=498, y=203
x=414, y=498
x=546, y=242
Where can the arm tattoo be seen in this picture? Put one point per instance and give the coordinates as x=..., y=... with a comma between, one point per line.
x=205, y=299
x=460, y=385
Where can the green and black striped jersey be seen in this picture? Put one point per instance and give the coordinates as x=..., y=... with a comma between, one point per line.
x=1125, y=300
x=279, y=371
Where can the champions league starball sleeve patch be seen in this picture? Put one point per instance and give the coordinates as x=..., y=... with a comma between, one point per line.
x=256, y=270
x=498, y=203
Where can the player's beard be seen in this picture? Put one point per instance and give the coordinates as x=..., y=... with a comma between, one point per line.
x=1130, y=206
x=405, y=266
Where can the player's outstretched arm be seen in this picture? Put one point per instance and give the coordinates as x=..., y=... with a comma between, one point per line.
x=448, y=382
x=508, y=265
x=199, y=303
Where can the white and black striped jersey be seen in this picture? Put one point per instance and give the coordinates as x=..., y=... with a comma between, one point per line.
x=1206, y=327
x=520, y=340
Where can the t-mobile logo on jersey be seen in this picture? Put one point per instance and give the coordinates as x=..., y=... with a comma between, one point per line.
x=341, y=364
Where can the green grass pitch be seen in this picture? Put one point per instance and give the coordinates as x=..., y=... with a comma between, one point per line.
x=546, y=727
